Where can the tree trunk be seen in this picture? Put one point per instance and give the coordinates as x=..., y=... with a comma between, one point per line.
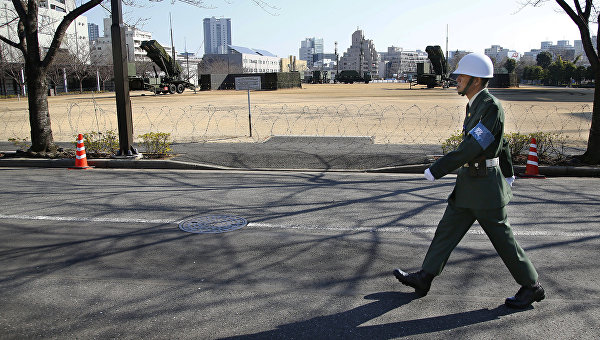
x=39, y=116
x=592, y=154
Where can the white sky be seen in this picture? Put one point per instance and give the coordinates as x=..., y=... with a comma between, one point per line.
x=472, y=25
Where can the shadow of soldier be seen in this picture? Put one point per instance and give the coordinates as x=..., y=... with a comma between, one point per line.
x=346, y=324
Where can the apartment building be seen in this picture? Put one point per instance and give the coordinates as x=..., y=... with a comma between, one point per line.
x=51, y=13
x=361, y=56
x=499, y=54
x=398, y=63
x=240, y=60
x=101, y=48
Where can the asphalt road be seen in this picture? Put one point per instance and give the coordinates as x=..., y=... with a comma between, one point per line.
x=98, y=254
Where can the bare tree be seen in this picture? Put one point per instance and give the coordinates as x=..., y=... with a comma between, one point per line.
x=28, y=24
x=13, y=70
x=56, y=71
x=106, y=73
x=80, y=65
x=215, y=64
x=145, y=68
x=584, y=13
x=37, y=65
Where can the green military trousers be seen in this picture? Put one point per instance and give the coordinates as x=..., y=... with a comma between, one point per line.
x=454, y=225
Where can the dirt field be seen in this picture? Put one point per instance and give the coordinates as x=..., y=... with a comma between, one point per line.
x=390, y=112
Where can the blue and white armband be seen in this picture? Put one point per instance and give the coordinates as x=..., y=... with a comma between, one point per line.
x=482, y=135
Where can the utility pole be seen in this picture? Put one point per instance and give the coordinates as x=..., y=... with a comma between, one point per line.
x=446, y=66
x=187, y=58
x=337, y=63
x=124, y=117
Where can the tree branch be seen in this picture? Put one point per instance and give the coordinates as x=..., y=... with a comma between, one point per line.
x=22, y=45
x=10, y=42
x=62, y=29
x=582, y=23
x=576, y=17
x=20, y=8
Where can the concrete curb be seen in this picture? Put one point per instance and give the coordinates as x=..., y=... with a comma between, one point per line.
x=109, y=164
x=551, y=171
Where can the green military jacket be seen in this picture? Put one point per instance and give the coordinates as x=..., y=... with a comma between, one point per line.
x=491, y=191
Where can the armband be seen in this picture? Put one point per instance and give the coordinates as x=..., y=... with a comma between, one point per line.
x=482, y=135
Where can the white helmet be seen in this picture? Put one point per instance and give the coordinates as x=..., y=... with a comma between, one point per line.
x=476, y=65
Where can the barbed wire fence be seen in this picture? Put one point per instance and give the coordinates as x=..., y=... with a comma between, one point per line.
x=384, y=124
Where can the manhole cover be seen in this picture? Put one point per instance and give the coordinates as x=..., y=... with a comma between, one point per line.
x=212, y=224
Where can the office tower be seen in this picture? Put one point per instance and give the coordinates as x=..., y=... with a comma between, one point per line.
x=217, y=35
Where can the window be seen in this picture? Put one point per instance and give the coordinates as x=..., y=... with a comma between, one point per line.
x=58, y=8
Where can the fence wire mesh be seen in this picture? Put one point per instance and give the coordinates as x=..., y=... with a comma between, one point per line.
x=384, y=124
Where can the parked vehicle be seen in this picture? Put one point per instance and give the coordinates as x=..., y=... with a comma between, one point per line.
x=351, y=76
x=438, y=76
x=171, y=82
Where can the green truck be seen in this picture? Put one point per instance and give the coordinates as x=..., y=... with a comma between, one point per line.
x=171, y=82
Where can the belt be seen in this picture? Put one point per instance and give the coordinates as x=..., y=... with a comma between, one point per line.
x=488, y=162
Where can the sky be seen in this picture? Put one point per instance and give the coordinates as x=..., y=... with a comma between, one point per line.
x=412, y=25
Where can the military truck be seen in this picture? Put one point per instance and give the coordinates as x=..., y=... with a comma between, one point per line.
x=438, y=76
x=171, y=82
x=351, y=76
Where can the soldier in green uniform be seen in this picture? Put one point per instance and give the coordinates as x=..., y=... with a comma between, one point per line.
x=482, y=189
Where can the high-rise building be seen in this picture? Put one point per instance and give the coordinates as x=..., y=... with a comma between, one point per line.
x=217, y=35
x=309, y=47
x=93, y=31
x=361, y=56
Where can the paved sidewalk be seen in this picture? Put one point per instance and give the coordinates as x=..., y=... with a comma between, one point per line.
x=287, y=153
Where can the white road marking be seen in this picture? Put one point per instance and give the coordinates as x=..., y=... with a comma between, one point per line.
x=404, y=230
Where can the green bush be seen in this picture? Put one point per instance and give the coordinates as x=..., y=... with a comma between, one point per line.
x=101, y=142
x=157, y=142
x=518, y=143
x=452, y=142
x=550, y=146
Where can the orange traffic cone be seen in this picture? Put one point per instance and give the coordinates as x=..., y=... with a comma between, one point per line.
x=532, y=170
x=80, y=156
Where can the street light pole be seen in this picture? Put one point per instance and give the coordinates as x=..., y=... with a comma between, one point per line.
x=337, y=63
x=124, y=116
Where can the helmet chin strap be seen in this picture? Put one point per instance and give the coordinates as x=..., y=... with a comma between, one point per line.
x=464, y=91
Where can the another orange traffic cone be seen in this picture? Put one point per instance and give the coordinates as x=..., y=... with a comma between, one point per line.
x=80, y=156
x=532, y=169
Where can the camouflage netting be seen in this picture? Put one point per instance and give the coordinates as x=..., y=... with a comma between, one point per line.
x=269, y=81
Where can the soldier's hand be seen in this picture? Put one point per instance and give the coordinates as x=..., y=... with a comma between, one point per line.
x=428, y=175
x=510, y=180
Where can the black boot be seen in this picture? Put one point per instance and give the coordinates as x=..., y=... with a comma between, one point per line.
x=526, y=296
x=420, y=281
